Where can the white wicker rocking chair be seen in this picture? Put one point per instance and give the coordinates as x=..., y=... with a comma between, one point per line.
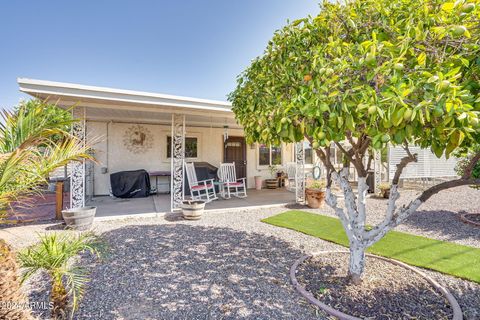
x=199, y=190
x=231, y=185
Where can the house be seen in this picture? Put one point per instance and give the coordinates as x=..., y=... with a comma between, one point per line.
x=158, y=132
x=141, y=130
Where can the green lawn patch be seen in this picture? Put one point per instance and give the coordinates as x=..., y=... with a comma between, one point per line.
x=446, y=257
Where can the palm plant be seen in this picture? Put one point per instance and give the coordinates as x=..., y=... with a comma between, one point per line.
x=54, y=254
x=32, y=144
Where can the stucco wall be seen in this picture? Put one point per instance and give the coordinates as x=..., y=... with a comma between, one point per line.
x=112, y=154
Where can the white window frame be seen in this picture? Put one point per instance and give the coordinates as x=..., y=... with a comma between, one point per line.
x=314, y=156
x=308, y=165
x=198, y=136
x=263, y=166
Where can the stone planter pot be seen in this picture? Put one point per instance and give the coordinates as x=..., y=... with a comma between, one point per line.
x=315, y=197
x=193, y=209
x=79, y=218
x=271, y=183
x=258, y=182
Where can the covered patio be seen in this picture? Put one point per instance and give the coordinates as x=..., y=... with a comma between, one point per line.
x=131, y=130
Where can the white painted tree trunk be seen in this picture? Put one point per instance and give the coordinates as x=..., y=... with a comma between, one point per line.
x=353, y=218
x=353, y=214
x=357, y=261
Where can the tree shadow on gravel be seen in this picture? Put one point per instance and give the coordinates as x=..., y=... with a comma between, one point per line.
x=443, y=223
x=179, y=271
x=394, y=299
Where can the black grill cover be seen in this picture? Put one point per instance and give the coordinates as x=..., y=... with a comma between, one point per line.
x=130, y=184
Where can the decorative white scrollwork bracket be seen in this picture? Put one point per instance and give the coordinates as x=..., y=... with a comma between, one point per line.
x=177, y=160
x=300, y=173
x=77, y=175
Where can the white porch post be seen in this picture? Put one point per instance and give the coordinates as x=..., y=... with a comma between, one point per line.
x=377, y=167
x=177, y=160
x=299, y=173
x=77, y=175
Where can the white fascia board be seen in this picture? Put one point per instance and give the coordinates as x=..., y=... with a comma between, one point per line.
x=71, y=90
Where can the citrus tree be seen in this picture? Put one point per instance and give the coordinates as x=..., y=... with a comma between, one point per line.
x=364, y=75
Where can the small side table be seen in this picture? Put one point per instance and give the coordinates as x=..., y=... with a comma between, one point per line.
x=221, y=188
x=157, y=174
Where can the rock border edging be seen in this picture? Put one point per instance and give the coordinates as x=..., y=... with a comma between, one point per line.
x=457, y=311
x=464, y=218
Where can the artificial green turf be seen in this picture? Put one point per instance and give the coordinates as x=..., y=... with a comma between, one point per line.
x=450, y=258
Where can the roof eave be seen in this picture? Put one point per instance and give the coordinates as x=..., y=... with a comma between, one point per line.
x=45, y=89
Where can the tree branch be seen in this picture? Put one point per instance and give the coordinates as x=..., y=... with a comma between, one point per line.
x=348, y=153
x=468, y=170
x=350, y=138
x=446, y=185
x=364, y=146
x=403, y=163
x=357, y=161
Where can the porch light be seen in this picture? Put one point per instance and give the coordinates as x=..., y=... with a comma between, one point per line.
x=225, y=133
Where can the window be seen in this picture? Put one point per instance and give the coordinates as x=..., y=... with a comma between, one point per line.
x=191, y=147
x=269, y=155
x=308, y=152
x=336, y=156
x=307, y=147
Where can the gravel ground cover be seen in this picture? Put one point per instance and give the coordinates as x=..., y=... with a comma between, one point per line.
x=383, y=291
x=230, y=265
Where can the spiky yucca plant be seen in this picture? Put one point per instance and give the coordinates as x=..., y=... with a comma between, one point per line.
x=32, y=144
x=54, y=254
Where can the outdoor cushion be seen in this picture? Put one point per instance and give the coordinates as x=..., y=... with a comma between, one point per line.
x=234, y=184
x=202, y=187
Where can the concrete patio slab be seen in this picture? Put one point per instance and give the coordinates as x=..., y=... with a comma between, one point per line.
x=113, y=208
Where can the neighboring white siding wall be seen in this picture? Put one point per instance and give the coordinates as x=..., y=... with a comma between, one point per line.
x=111, y=153
x=428, y=165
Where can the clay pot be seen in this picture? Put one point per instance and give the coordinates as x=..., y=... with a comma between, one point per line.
x=315, y=197
x=258, y=182
x=385, y=193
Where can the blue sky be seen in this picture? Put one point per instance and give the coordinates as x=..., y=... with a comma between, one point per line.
x=189, y=47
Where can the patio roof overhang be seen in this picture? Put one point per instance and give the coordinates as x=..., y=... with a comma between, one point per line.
x=118, y=105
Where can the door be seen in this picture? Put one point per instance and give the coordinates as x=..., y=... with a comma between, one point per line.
x=236, y=151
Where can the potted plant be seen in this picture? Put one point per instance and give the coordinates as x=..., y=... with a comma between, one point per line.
x=273, y=182
x=79, y=218
x=315, y=193
x=384, y=190
x=193, y=209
